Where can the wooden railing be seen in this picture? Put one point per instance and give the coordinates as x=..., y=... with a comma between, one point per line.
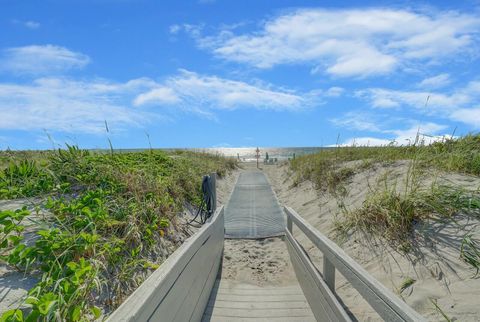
x=319, y=289
x=179, y=290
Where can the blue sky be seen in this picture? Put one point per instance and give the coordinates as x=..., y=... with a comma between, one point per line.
x=212, y=73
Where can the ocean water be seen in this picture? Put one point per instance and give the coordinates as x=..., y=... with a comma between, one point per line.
x=248, y=154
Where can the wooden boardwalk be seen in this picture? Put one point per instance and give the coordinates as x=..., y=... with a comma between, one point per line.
x=243, y=302
x=254, y=212
x=189, y=285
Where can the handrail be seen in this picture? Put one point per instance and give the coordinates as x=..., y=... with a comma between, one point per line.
x=179, y=289
x=382, y=300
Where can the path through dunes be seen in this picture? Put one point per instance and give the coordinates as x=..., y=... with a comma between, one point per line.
x=257, y=281
x=253, y=210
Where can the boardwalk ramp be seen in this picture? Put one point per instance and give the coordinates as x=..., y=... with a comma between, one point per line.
x=253, y=210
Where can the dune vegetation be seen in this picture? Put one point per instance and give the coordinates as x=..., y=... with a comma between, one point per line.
x=393, y=208
x=103, y=221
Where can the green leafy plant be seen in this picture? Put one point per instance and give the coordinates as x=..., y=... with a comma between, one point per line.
x=24, y=179
x=112, y=218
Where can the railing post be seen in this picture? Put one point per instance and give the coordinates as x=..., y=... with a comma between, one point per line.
x=213, y=177
x=329, y=273
x=289, y=223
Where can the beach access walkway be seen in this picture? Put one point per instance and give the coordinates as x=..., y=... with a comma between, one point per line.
x=254, y=212
x=189, y=285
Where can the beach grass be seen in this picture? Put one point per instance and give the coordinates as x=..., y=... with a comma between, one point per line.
x=392, y=209
x=459, y=155
x=111, y=219
x=470, y=252
x=406, y=284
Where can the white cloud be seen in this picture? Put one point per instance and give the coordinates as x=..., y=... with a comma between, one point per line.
x=435, y=82
x=334, y=91
x=349, y=42
x=469, y=116
x=60, y=104
x=357, y=121
x=425, y=133
x=67, y=105
x=36, y=60
x=156, y=96
x=174, y=29
x=191, y=90
x=366, y=141
x=28, y=23
x=458, y=105
x=32, y=24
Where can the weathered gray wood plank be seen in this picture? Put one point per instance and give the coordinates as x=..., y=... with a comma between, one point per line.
x=245, y=302
x=264, y=298
x=322, y=301
x=259, y=313
x=182, y=298
x=167, y=283
x=210, y=318
x=260, y=305
x=203, y=299
x=292, y=291
x=385, y=303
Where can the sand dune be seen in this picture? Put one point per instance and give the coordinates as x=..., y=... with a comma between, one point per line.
x=434, y=263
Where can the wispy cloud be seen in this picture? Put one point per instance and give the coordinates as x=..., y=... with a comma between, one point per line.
x=174, y=29
x=357, y=120
x=469, y=116
x=427, y=133
x=60, y=104
x=205, y=93
x=435, y=82
x=349, y=42
x=458, y=105
x=67, y=105
x=41, y=60
x=334, y=91
x=160, y=95
x=30, y=24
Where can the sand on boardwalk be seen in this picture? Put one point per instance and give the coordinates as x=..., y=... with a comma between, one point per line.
x=258, y=262
x=441, y=276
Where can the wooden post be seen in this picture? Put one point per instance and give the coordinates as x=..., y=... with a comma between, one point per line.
x=289, y=224
x=213, y=177
x=329, y=273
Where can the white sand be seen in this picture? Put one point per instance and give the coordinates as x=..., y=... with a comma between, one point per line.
x=435, y=264
x=257, y=262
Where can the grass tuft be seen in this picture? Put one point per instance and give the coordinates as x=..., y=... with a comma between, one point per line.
x=407, y=283
x=470, y=252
